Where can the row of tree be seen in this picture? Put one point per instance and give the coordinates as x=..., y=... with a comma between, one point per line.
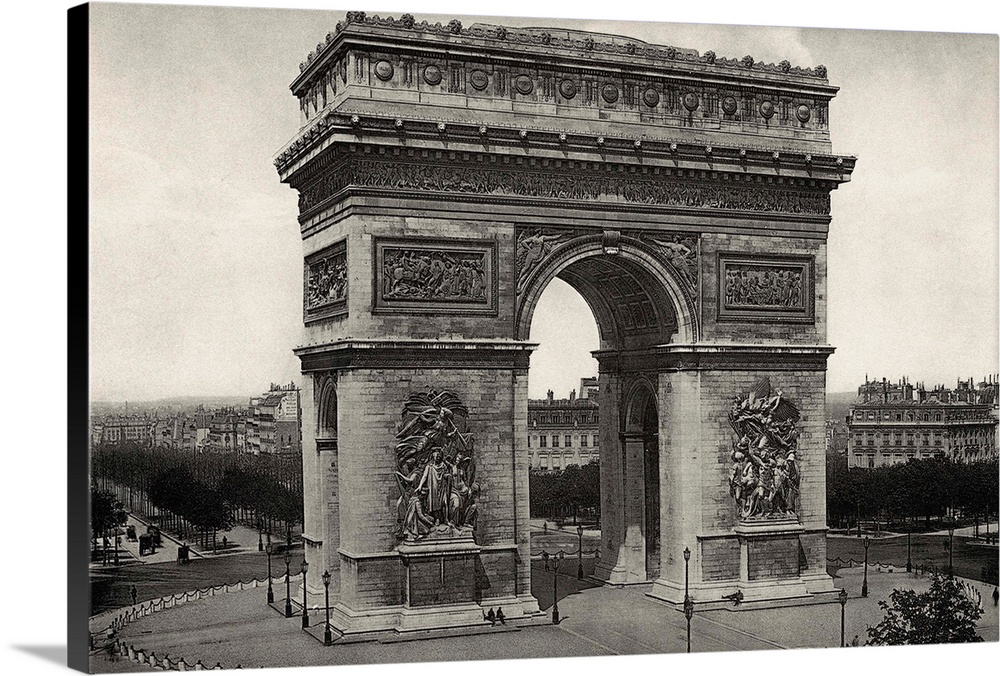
x=205, y=493
x=107, y=514
x=572, y=491
x=910, y=495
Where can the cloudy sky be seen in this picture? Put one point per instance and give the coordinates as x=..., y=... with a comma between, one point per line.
x=196, y=258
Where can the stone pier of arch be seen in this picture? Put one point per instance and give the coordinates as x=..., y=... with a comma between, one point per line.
x=445, y=176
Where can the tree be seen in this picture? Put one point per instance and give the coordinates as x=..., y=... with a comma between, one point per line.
x=943, y=614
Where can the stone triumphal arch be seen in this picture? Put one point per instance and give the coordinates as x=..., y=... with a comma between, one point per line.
x=446, y=174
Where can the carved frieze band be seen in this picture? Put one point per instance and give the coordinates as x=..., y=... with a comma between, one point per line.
x=766, y=288
x=325, y=292
x=435, y=276
x=736, y=193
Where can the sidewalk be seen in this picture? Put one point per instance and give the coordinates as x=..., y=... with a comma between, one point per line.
x=240, y=629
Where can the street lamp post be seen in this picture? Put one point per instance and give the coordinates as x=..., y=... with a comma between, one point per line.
x=305, y=599
x=842, y=597
x=556, y=560
x=864, y=584
x=288, y=586
x=951, y=534
x=118, y=542
x=270, y=587
x=688, y=603
x=579, y=565
x=909, y=562
x=327, y=635
x=260, y=540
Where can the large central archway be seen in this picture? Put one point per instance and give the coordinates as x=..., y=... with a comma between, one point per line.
x=638, y=301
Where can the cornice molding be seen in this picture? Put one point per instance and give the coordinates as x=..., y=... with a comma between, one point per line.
x=716, y=357
x=415, y=354
x=568, y=43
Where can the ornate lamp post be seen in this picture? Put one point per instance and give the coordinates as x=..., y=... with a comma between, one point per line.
x=579, y=564
x=688, y=603
x=327, y=635
x=270, y=587
x=305, y=612
x=842, y=597
x=909, y=563
x=951, y=534
x=556, y=560
x=864, y=584
x=288, y=586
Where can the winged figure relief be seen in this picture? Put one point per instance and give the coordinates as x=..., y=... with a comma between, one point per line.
x=532, y=248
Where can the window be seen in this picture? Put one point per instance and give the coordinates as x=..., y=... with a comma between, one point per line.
x=567, y=441
x=543, y=441
x=583, y=440
x=555, y=441
x=871, y=461
x=596, y=443
x=529, y=442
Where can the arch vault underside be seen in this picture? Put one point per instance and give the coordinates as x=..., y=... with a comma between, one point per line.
x=446, y=175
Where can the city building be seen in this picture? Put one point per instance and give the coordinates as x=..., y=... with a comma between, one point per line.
x=895, y=422
x=116, y=429
x=274, y=422
x=564, y=432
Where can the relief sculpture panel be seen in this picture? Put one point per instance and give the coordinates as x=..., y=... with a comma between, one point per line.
x=766, y=288
x=435, y=275
x=325, y=292
x=435, y=469
x=764, y=480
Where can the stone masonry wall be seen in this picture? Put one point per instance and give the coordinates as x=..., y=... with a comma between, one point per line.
x=774, y=557
x=714, y=330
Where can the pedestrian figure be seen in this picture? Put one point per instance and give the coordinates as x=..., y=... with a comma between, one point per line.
x=500, y=616
x=855, y=642
x=135, y=595
x=545, y=526
x=996, y=596
x=492, y=617
x=225, y=542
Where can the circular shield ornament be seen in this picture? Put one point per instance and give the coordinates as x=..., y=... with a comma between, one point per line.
x=651, y=97
x=432, y=75
x=567, y=88
x=383, y=70
x=479, y=79
x=523, y=84
x=729, y=105
x=767, y=110
x=690, y=101
x=803, y=113
x=609, y=93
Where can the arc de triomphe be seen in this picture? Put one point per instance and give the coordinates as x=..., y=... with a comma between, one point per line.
x=446, y=174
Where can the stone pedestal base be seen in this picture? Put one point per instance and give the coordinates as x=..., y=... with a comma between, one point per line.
x=770, y=573
x=439, y=595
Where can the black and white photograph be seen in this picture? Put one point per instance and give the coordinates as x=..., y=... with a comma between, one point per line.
x=403, y=335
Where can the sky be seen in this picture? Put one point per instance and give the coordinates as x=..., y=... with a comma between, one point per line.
x=195, y=252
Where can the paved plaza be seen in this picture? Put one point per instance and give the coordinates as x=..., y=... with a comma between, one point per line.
x=238, y=628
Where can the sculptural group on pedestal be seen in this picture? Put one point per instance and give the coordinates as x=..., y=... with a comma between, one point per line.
x=435, y=469
x=765, y=476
